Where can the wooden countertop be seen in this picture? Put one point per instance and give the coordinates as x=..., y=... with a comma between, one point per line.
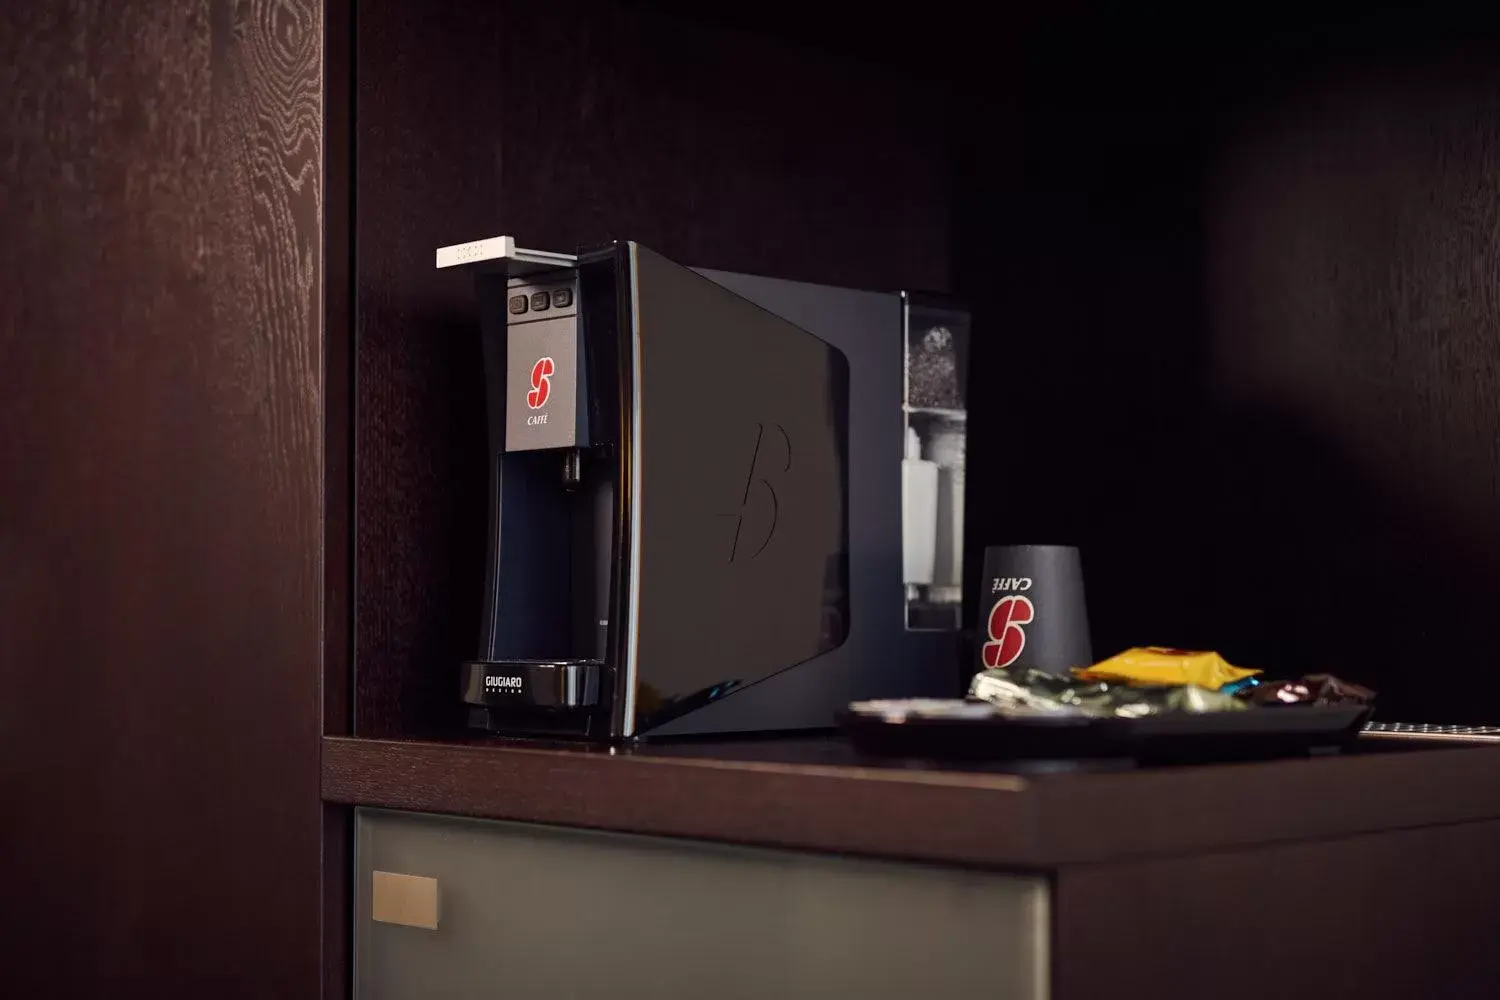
x=817, y=795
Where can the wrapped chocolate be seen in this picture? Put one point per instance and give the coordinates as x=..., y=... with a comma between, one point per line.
x=1136, y=701
x=1164, y=665
x=1035, y=693
x=1330, y=690
x=1155, y=680
x=1314, y=689
x=1279, y=693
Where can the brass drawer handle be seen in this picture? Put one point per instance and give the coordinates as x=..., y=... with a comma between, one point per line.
x=408, y=900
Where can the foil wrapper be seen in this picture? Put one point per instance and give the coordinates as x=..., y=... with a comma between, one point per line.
x=1033, y=692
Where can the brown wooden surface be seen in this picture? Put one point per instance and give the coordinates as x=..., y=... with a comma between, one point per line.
x=991, y=819
x=566, y=124
x=338, y=364
x=426, y=94
x=1384, y=917
x=160, y=497
x=335, y=935
x=720, y=148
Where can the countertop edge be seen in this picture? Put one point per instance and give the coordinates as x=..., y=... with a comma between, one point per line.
x=944, y=817
x=976, y=820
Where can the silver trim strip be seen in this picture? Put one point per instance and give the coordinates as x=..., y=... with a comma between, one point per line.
x=1430, y=732
x=633, y=596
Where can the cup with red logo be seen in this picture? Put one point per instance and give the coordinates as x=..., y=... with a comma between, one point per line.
x=1031, y=610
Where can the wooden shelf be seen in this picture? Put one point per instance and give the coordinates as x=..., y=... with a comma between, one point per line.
x=748, y=793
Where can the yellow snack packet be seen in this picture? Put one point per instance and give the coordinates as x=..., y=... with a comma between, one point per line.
x=1163, y=665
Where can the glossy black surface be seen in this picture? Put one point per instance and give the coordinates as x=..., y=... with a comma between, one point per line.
x=881, y=657
x=567, y=684
x=743, y=562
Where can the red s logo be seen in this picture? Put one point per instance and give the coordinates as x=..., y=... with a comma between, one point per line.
x=1007, y=637
x=541, y=383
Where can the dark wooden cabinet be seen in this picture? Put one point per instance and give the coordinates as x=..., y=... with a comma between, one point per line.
x=1366, y=874
x=1231, y=282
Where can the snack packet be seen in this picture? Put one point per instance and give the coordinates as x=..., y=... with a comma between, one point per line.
x=1163, y=665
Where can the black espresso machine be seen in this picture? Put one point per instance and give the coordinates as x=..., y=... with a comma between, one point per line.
x=696, y=516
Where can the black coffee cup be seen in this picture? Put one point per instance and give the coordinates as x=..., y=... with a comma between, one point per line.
x=1031, y=610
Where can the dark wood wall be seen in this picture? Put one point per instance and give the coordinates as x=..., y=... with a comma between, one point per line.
x=160, y=497
x=1231, y=275
x=564, y=125
x=1242, y=337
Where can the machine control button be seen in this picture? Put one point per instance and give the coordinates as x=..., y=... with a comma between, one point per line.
x=540, y=301
x=562, y=297
x=517, y=304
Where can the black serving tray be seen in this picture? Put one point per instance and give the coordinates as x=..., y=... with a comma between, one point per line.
x=1258, y=733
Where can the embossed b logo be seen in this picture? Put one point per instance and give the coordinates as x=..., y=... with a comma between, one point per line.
x=770, y=457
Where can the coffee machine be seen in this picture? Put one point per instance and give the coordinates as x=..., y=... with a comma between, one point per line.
x=696, y=521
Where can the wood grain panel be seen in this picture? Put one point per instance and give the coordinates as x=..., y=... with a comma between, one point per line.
x=427, y=97
x=160, y=496
x=1395, y=915
x=720, y=148
x=1351, y=349
x=336, y=948
x=567, y=124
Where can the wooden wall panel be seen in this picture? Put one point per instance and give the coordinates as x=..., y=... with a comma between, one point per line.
x=568, y=124
x=722, y=148
x=1238, y=295
x=427, y=95
x=1351, y=350
x=160, y=497
x=1229, y=287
